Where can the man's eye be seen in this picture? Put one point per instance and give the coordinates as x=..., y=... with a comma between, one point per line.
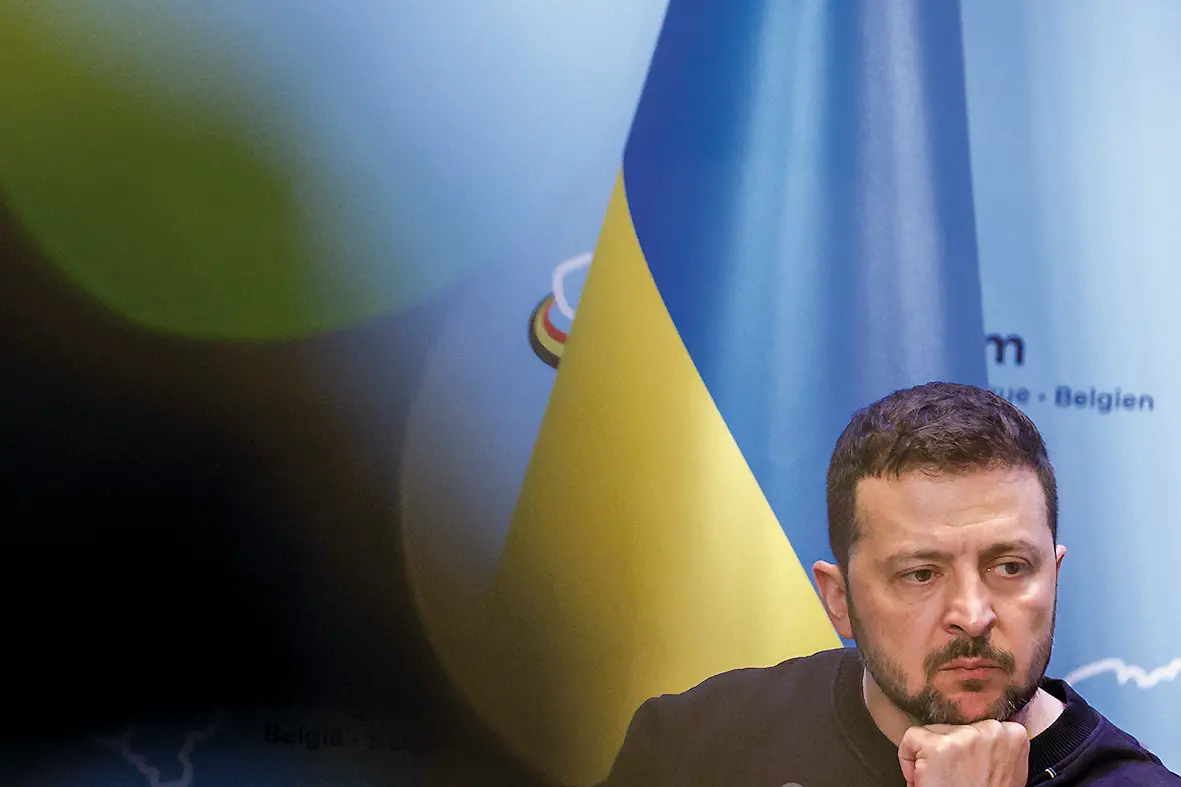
x=1010, y=568
x=920, y=576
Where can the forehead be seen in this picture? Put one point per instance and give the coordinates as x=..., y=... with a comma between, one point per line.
x=950, y=510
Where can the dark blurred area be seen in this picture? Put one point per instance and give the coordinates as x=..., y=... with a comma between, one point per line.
x=192, y=524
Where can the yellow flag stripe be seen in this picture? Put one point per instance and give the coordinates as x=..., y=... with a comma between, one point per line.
x=642, y=557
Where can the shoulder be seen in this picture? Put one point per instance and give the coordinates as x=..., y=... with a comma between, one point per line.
x=720, y=714
x=798, y=679
x=1109, y=755
x=1119, y=759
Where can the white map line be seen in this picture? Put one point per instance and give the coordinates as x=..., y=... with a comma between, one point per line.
x=122, y=744
x=1125, y=672
x=560, y=273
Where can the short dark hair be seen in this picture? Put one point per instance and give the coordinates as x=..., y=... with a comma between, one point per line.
x=938, y=427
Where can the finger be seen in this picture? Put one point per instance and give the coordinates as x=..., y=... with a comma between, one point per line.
x=914, y=741
x=990, y=727
x=1016, y=730
x=941, y=729
x=907, y=771
x=1016, y=734
x=998, y=730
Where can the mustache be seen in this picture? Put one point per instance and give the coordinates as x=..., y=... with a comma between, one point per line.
x=970, y=648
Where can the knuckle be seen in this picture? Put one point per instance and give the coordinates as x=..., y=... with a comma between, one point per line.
x=912, y=739
x=947, y=745
x=966, y=735
x=1016, y=734
x=989, y=727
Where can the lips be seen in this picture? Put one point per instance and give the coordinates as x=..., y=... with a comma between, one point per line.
x=971, y=665
x=971, y=669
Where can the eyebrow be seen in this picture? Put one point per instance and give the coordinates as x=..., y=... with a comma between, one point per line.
x=991, y=553
x=1008, y=547
x=932, y=555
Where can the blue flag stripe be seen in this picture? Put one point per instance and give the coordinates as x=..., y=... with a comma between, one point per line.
x=798, y=174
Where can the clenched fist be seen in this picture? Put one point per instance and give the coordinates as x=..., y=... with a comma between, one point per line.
x=985, y=754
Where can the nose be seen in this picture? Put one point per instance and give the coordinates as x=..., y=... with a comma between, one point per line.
x=969, y=608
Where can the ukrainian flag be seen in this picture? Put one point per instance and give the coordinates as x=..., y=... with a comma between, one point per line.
x=791, y=237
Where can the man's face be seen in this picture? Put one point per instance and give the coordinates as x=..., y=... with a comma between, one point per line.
x=952, y=590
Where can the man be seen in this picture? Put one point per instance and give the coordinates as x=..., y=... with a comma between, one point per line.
x=943, y=519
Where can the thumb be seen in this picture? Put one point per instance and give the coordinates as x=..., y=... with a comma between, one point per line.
x=908, y=751
x=907, y=771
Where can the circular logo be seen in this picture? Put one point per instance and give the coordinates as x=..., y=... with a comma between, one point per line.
x=551, y=319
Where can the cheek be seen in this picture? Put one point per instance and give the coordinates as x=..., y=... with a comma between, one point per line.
x=904, y=632
x=1025, y=625
x=1028, y=613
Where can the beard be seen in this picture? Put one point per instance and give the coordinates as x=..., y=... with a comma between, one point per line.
x=929, y=705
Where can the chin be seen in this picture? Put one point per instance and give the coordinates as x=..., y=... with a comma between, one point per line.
x=974, y=710
x=978, y=706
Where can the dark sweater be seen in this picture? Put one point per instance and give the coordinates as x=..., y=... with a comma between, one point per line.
x=804, y=722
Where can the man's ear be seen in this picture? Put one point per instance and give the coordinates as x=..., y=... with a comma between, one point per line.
x=834, y=594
